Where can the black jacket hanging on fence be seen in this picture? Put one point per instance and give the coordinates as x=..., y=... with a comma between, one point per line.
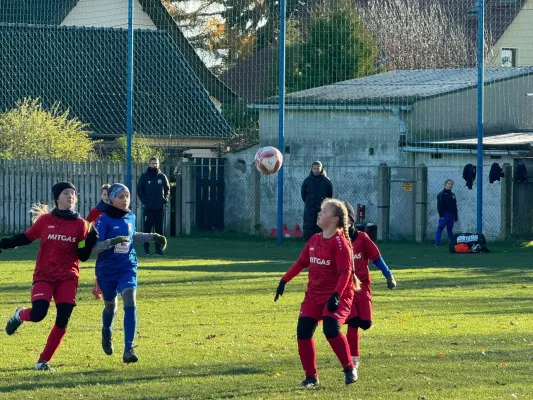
x=469, y=175
x=496, y=172
x=521, y=173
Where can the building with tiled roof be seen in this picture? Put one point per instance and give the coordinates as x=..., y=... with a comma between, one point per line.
x=48, y=50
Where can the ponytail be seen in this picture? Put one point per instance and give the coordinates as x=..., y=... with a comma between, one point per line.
x=37, y=210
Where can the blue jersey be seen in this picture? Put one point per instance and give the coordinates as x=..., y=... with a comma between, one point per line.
x=116, y=260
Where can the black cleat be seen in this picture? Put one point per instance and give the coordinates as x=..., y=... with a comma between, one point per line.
x=130, y=356
x=14, y=322
x=310, y=382
x=107, y=341
x=147, y=254
x=350, y=375
x=159, y=253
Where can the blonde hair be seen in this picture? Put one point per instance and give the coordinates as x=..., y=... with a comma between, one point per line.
x=38, y=210
x=340, y=211
x=105, y=186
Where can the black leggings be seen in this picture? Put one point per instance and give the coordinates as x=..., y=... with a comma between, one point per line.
x=39, y=309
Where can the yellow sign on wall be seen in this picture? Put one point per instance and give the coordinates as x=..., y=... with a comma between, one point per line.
x=407, y=187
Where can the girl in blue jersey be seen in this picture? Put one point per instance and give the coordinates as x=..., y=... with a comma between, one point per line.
x=116, y=266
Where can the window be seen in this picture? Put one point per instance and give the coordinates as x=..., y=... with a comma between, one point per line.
x=508, y=57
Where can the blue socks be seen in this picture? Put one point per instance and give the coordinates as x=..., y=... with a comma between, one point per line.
x=130, y=326
x=107, y=320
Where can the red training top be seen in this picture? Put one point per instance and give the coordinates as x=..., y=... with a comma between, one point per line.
x=94, y=214
x=364, y=249
x=330, y=267
x=57, y=259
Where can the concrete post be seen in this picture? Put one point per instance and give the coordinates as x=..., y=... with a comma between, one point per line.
x=177, y=204
x=187, y=197
x=383, y=201
x=421, y=203
x=506, y=202
x=255, y=220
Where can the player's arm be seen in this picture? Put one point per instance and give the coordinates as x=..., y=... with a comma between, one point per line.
x=373, y=253
x=141, y=185
x=304, y=190
x=141, y=237
x=86, y=245
x=439, y=205
x=329, y=192
x=92, y=215
x=23, y=239
x=344, y=269
x=11, y=242
x=294, y=270
x=103, y=243
x=166, y=189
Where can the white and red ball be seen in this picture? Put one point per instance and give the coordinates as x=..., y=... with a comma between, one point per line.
x=268, y=160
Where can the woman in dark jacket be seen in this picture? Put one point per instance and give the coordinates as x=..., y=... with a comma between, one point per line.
x=315, y=188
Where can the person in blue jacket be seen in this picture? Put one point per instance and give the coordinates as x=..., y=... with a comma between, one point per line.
x=447, y=208
x=116, y=266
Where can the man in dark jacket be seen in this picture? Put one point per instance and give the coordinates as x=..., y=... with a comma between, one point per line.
x=315, y=188
x=447, y=208
x=153, y=189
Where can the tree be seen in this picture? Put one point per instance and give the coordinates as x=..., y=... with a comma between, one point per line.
x=31, y=132
x=226, y=32
x=141, y=151
x=418, y=34
x=334, y=48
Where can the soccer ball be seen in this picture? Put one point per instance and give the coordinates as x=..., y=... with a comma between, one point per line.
x=268, y=160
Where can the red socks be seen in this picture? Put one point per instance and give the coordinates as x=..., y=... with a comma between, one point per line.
x=307, y=351
x=54, y=340
x=341, y=349
x=353, y=340
x=24, y=315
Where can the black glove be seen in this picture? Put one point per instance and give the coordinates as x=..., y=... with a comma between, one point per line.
x=161, y=240
x=333, y=302
x=280, y=290
x=391, y=282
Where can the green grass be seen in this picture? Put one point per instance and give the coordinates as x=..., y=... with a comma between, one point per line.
x=457, y=327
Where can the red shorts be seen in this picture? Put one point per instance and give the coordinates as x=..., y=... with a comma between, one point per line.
x=62, y=291
x=317, y=307
x=362, y=304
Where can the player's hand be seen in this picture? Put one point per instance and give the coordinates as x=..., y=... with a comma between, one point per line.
x=280, y=290
x=456, y=219
x=119, y=239
x=391, y=282
x=333, y=302
x=161, y=240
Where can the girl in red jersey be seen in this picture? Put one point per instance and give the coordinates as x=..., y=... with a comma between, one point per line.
x=64, y=240
x=94, y=214
x=330, y=290
x=364, y=249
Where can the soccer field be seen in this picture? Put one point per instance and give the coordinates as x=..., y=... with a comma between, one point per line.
x=457, y=327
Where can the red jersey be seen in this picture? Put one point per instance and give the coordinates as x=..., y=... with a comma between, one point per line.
x=364, y=249
x=57, y=259
x=330, y=267
x=94, y=214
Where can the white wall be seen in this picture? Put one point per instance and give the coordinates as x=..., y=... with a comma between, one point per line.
x=107, y=14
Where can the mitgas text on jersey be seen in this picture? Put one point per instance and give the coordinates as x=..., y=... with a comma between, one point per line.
x=63, y=238
x=319, y=261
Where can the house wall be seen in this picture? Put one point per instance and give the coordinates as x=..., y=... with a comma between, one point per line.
x=107, y=14
x=455, y=115
x=517, y=36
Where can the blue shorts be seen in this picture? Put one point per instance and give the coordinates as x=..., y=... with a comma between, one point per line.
x=112, y=286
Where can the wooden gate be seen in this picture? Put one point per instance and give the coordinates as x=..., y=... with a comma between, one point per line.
x=209, y=193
